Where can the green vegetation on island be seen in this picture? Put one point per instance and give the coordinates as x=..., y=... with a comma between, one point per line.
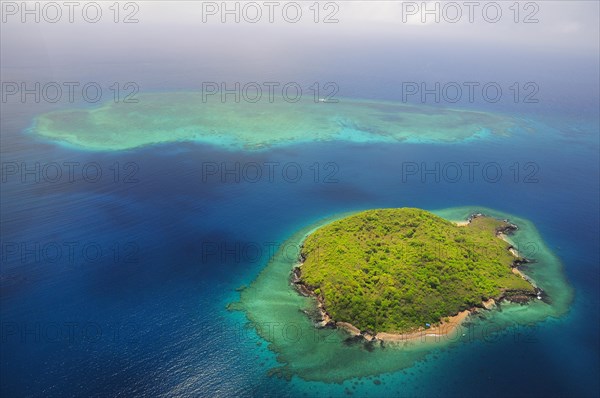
x=394, y=270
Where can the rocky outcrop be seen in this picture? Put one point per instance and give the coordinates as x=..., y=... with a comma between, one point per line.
x=507, y=229
x=298, y=284
x=522, y=296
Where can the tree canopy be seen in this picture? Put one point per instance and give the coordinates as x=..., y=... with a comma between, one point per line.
x=394, y=270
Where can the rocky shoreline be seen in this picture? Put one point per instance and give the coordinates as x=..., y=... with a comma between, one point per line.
x=322, y=319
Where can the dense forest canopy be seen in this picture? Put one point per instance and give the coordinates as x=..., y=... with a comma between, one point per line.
x=394, y=270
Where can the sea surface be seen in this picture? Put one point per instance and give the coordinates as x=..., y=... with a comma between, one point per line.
x=119, y=287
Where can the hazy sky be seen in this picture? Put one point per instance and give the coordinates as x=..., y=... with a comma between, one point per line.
x=368, y=43
x=562, y=26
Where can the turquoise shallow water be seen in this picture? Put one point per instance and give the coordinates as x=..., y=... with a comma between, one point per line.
x=188, y=116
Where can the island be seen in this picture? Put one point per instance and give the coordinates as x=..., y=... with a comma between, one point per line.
x=389, y=274
x=492, y=269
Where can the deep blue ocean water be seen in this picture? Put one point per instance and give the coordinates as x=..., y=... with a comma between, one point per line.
x=138, y=306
